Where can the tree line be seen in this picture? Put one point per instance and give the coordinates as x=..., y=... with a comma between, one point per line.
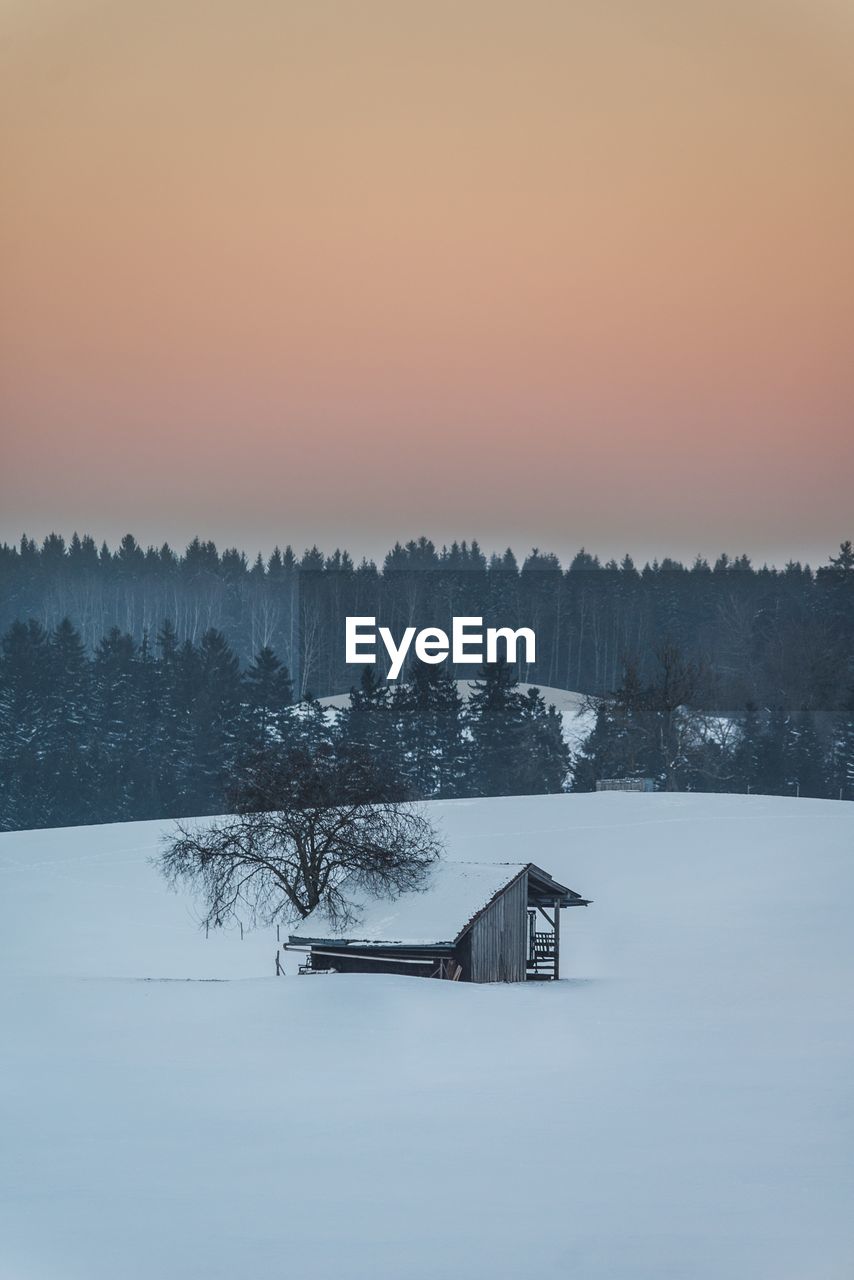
x=776, y=637
x=166, y=728
x=653, y=729
x=170, y=729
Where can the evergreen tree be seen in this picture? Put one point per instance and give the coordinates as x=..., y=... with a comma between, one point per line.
x=314, y=729
x=115, y=723
x=23, y=706
x=214, y=720
x=634, y=747
x=144, y=765
x=545, y=762
x=267, y=694
x=66, y=730
x=844, y=562
x=648, y=731
x=369, y=722
x=173, y=693
x=596, y=757
x=496, y=722
x=187, y=690
x=516, y=742
x=429, y=712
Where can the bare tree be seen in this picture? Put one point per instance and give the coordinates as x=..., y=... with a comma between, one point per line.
x=311, y=830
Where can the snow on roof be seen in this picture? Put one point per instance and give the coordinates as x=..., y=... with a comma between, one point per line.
x=454, y=893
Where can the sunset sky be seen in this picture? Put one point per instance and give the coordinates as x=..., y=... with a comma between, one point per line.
x=540, y=273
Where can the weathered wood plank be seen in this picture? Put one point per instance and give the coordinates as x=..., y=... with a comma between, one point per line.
x=499, y=937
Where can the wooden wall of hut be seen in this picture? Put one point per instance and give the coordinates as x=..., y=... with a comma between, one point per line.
x=498, y=946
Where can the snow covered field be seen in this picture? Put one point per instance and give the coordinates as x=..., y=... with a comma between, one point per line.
x=679, y=1109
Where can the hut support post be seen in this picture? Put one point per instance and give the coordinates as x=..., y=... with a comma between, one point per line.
x=557, y=940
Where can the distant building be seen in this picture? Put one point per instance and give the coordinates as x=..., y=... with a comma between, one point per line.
x=625, y=784
x=474, y=922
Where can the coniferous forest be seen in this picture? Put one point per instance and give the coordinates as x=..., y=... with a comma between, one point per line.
x=136, y=683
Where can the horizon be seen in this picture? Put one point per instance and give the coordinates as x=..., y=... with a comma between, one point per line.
x=376, y=557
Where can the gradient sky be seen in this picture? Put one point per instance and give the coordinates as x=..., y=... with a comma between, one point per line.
x=540, y=272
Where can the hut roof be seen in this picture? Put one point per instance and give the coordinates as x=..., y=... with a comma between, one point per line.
x=436, y=915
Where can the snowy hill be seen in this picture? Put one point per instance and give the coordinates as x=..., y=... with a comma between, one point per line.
x=678, y=1110
x=574, y=708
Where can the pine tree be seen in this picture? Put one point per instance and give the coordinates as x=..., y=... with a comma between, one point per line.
x=214, y=719
x=545, y=758
x=369, y=722
x=173, y=692
x=517, y=744
x=635, y=749
x=186, y=679
x=267, y=695
x=144, y=770
x=595, y=759
x=314, y=729
x=115, y=723
x=844, y=562
x=23, y=707
x=645, y=731
x=66, y=732
x=497, y=723
x=429, y=712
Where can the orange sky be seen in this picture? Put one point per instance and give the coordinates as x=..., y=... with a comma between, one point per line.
x=534, y=272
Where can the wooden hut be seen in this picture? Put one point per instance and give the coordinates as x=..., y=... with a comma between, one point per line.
x=473, y=922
